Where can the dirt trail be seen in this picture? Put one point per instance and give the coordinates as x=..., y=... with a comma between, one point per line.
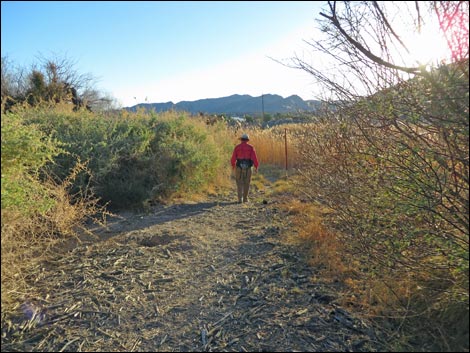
x=208, y=276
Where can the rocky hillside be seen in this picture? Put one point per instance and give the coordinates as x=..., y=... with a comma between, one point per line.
x=237, y=105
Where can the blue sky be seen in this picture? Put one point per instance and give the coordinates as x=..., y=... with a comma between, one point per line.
x=168, y=51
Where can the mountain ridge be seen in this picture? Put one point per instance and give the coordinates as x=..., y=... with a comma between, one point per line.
x=236, y=104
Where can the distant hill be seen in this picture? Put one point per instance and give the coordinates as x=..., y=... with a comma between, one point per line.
x=237, y=105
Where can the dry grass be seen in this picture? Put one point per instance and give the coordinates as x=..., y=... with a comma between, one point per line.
x=324, y=246
x=403, y=306
x=330, y=255
x=270, y=145
x=21, y=249
x=28, y=240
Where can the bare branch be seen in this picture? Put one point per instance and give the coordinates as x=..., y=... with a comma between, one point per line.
x=334, y=20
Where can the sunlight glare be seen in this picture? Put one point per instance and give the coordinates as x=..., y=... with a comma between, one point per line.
x=428, y=47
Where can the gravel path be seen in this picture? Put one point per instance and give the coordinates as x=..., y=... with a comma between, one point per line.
x=207, y=276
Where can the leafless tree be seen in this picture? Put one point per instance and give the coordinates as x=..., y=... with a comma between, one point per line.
x=51, y=79
x=393, y=159
x=367, y=51
x=14, y=83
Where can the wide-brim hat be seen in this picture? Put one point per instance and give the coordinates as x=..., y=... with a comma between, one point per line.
x=244, y=137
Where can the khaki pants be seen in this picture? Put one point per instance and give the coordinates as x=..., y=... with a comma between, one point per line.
x=243, y=178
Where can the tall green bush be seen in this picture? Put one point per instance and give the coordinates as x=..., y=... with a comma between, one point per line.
x=132, y=157
x=175, y=156
x=25, y=150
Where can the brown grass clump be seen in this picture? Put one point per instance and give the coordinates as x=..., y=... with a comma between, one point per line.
x=29, y=239
x=324, y=247
x=397, y=305
x=330, y=255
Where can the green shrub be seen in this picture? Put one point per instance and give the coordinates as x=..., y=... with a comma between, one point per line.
x=188, y=158
x=36, y=211
x=25, y=150
x=132, y=157
x=175, y=157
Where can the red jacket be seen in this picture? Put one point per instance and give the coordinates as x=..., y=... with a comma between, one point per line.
x=244, y=151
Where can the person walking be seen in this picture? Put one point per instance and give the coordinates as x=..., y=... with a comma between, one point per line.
x=243, y=159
